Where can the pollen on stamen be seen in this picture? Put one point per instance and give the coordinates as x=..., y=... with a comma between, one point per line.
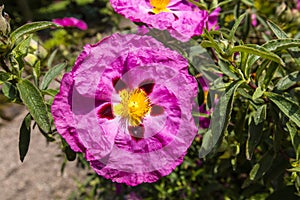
x=159, y=6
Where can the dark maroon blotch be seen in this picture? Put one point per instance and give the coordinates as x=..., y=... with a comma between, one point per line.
x=105, y=111
x=118, y=84
x=156, y=110
x=147, y=86
x=136, y=132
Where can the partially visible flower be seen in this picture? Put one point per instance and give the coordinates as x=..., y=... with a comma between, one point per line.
x=253, y=20
x=71, y=22
x=213, y=19
x=181, y=18
x=127, y=105
x=298, y=5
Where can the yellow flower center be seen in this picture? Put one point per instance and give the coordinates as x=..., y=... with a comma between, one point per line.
x=134, y=106
x=159, y=6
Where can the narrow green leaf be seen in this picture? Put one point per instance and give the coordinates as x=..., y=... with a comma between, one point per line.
x=36, y=72
x=71, y=155
x=295, y=137
x=220, y=118
x=260, y=168
x=255, y=133
x=50, y=92
x=235, y=26
x=270, y=71
x=280, y=44
x=24, y=137
x=227, y=69
x=4, y=77
x=30, y=28
x=10, y=91
x=220, y=4
x=51, y=74
x=51, y=58
x=248, y=2
x=288, y=81
x=259, y=52
x=288, y=107
x=260, y=114
x=34, y=102
x=277, y=30
x=211, y=43
x=257, y=93
x=199, y=5
x=254, y=171
x=243, y=64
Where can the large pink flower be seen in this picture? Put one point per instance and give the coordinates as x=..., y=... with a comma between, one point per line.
x=182, y=19
x=71, y=22
x=127, y=104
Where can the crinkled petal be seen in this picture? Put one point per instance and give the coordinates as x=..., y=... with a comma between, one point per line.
x=105, y=138
x=71, y=22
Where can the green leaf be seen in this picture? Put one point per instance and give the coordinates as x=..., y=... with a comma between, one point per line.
x=10, y=91
x=260, y=168
x=71, y=155
x=248, y=2
x=243, y=64
x=276, y=30
x=4, y=77
x=260, y=114
x=220, y=118
x=50, y=92
x=219, y=4
x=30, y=28
x=227, y=69
x=295, y=137
x=212, y=44
x=51, y=58
x=288, y=107
x=280, y=44
x=258, y=51
x=36, y=72
x=34, y=102
x=235, y=26
x=288, y=81
x=51, y=74
x=270, y=71
x=255, y=133
x=257, y=93
x=24, y=137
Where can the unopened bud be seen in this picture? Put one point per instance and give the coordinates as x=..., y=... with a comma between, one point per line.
x=4, y=22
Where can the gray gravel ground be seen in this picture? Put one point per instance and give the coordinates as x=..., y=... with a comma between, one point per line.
x=38, y=177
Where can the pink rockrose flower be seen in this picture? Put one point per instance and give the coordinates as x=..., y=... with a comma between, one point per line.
x=71, y=22
x=181, y=18
x=127, y=105
x=298, y=5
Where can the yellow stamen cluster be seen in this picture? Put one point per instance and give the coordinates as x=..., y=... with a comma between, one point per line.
x=159, y=6
x=133, y=106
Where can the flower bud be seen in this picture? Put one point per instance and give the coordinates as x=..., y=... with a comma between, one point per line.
x=4, y=22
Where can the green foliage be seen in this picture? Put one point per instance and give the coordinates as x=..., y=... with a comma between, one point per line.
x=252, y=148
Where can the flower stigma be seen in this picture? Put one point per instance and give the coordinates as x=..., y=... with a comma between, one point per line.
x=159, y=6
x=134, y=106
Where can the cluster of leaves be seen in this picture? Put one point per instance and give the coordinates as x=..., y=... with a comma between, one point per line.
x=27, y=71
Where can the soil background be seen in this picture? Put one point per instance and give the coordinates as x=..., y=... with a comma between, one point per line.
x=39, y=176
